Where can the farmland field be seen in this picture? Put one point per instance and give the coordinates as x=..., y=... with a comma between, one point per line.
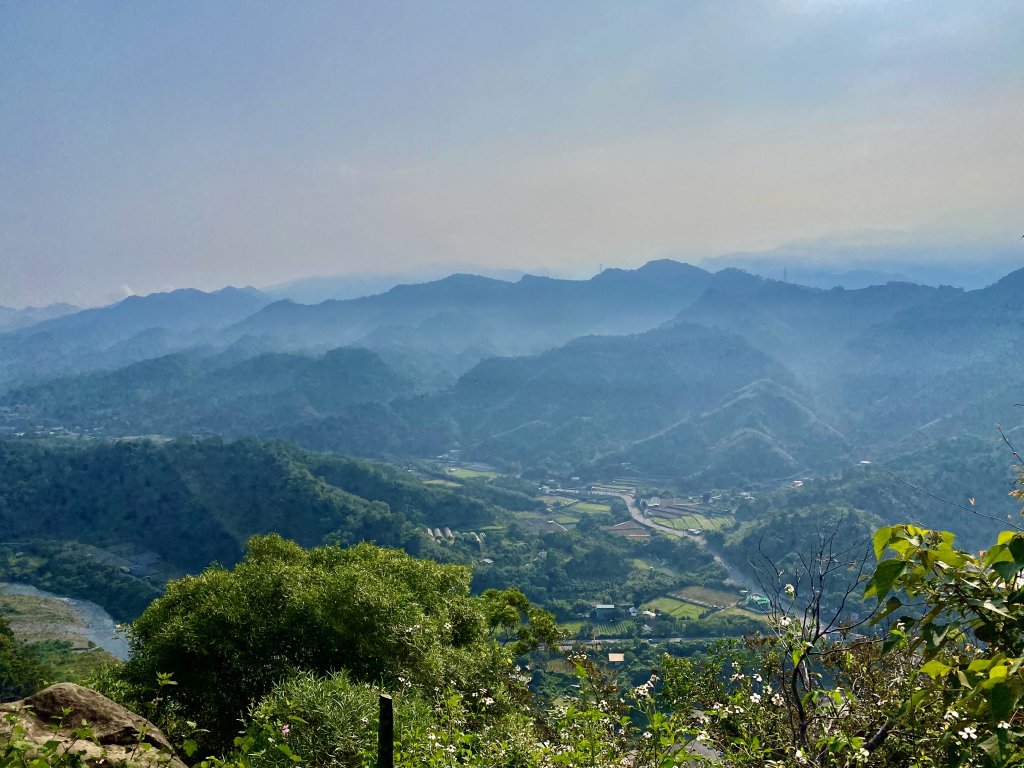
x=551, y=501
x=671, y=522
x=464, y=473
x=675, y=608
x=689, y=520
x=617, y=629
x=710, y=596
x=611, y=488
x=591, y=506
x=737, y=611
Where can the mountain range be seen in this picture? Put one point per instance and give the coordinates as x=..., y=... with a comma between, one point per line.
x=137, y=328
x=666, y=371
x=13, y=319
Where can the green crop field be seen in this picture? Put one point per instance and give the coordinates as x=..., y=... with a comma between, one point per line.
x=710, y=523
x=618, y=629
x=571, y=627
x=737, y=611
x=590, y=506
x=677, y=523
x=465, y=473
x=710, y=596
x=700, y=522
x=563, y=501
x=675, y=608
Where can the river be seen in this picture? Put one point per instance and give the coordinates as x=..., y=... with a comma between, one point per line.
x=98, y=626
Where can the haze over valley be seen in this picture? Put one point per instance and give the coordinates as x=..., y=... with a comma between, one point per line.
x=512, y=385
x=667, y=375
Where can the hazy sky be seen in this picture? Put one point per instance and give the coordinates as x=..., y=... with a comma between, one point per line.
x=148, y=145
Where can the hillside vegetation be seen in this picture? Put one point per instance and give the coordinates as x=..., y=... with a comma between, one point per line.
x=665, y=372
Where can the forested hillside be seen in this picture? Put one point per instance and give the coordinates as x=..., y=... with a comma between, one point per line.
x=698, y=380
x=72, y=511
x=197, y=502
x=192, y=393
x=138, y=328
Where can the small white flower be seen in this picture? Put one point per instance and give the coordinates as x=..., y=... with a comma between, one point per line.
x=784, y=621
x=862, y=755
x=648, y=734
x=777, y=700
x=757, y=678
x=968, y=733
x=755, y=698
x=1003, y=724
x=790, y=590
x=951, y=715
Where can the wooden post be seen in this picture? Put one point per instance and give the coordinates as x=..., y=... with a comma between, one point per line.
x=386, y=733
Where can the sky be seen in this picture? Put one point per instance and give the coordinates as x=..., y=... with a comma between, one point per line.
x=149, y=146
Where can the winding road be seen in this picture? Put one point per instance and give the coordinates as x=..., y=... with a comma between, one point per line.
x=734, y=573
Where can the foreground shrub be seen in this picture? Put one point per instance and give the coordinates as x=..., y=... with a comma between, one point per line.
x=227, y=638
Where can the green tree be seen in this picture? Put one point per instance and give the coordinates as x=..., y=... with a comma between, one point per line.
x=21, y=673
x=228, y=636
x=965, y=622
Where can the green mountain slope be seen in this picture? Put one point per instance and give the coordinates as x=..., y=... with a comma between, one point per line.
x=196, y=502
x=192, y=394
x=759, y=433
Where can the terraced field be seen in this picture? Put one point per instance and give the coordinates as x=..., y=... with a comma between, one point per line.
x=690, y=520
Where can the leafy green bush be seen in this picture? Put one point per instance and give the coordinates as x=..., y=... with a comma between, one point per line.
x=328, y=721
x=229, y=637
x=21, y=673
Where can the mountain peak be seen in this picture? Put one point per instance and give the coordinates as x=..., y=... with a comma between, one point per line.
x=1009, y=287
x=659, y=269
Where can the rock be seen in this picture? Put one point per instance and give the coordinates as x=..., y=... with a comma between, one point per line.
x=120, y=737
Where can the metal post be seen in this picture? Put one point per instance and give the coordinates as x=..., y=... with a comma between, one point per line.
x=386, y=733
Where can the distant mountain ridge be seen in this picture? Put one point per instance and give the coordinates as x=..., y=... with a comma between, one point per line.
x=667, y=370
x=193, y=394
x=15, y=319
x=505, y=318
x=136, y=328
